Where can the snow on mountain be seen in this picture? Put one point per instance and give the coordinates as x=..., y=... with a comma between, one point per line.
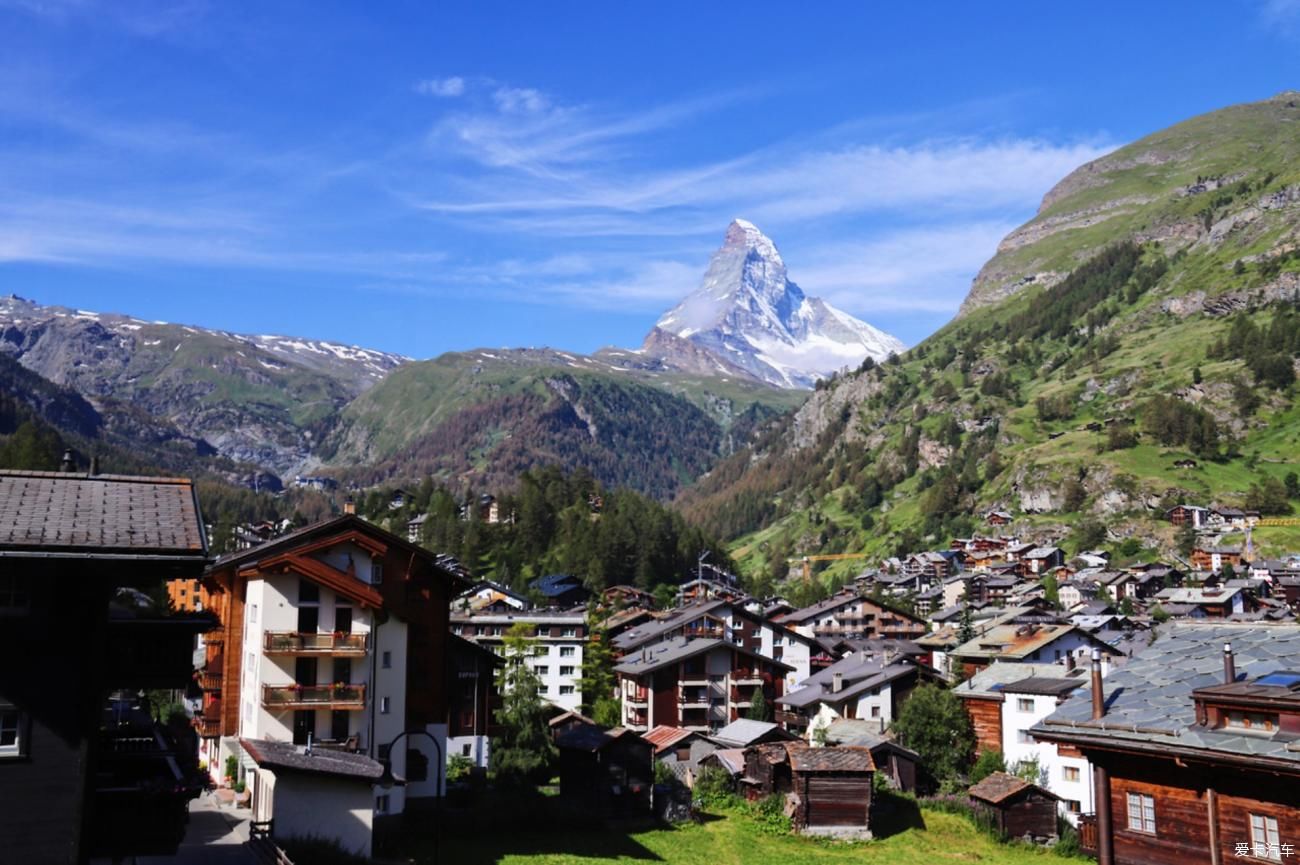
x=749, y=314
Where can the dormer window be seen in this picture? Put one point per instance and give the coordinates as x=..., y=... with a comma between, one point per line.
x=1257, y=722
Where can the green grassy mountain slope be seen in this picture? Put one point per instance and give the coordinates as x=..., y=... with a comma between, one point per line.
x=481, y=418
x=1156, y=325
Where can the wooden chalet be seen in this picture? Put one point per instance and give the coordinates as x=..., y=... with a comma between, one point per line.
x=84, y=770
x=1017, y=808
x=1206, y=558
x=610, y=772
x=828, y=790
x=1193, y=748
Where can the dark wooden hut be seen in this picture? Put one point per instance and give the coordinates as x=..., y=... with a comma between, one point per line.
x=1017, y=808
x=610, y=771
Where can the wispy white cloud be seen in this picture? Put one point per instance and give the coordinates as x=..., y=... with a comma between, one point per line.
x=441, y=87
x=520, y=100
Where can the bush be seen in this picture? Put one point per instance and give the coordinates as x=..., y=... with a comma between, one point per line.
x=459, y=767
x=713, y=787
x=989, y=762
x=769, y=814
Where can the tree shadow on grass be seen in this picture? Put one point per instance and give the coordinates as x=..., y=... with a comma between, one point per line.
x=891, y=815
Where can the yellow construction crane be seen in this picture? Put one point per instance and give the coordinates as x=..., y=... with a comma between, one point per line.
x=826, y=557
x=1249, y=552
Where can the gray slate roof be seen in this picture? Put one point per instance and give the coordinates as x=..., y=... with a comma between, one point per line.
x=69, y=512
x=742, y=732
x=290, y=757
x=1149, y=700
x=659, y=655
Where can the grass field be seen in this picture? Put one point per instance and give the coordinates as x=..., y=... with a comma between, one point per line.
x=733, y=839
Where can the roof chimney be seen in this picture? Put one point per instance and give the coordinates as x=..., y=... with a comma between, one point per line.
x=69, y=464
x=837, y=683
x=94, y=465
x=349, y=506
x=1229, y=665
x=1098, y=698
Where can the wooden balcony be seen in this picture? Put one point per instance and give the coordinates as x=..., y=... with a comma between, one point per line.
x=743, y=678
x=208, y=722
x=294, y=643
x=790, y=719
x=279, y=697
x=210, y=679
x=1088, y=834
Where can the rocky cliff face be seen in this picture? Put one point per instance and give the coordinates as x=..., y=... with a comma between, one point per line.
x=748, y=315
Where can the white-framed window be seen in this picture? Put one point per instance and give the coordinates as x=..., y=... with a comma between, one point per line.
x=383, y=705
x=540, y=651
x=13, y=733
x=566, y=690
x=1141, y=813
x=386, y=660
x=1074, y=806
x=566, y=651
x=252, y=613
x=1265, y=842
x=14, y=596
x=543, y=689
x=569, y=632
x=566, y=671
x=1025, y=704
x=542, y=670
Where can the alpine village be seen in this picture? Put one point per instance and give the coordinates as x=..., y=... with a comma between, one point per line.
x=774, y=587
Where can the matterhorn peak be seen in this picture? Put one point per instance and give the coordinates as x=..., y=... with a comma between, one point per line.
x=750, y=316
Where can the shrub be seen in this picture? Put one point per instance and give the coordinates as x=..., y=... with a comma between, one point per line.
x=713, y=786
x=769, y=814
x=459, y=767
x=989, y=762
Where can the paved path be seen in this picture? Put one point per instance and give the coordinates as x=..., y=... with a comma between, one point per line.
x=216, y=835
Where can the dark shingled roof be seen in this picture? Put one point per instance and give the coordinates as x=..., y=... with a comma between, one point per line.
x=64, y=512
x=999, y=787
x=587, y=737
x=1043, y=685
x=847, y=758
x=286, y=756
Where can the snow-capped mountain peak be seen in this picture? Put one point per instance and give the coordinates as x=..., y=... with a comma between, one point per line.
x=748, y=313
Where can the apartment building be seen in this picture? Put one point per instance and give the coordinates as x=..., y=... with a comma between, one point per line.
x=557, y=654
x=334, y=634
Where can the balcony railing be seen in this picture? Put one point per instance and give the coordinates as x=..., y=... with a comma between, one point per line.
x=210, y=680
x=294, y=643
x=208, y=722
x=314, y=696
x=790, y=719
x=639, y=697
x=746, y=677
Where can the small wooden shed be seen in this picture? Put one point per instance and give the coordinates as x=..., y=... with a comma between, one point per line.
x=1017, y=808
x=832, y=790
x=610, y=771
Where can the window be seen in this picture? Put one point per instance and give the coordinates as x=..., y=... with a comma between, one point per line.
x=386, y=660
x=381, y=804
x=566, y=690
x=777, y=639
x=465, y=749
x=1141, y=813
x=543, y=689
x=1256, y=721
x=875, y=711
x=383, y=705
x=1025, y=704
x=12, y=734
x=1070, y=773
x=566, y=651
x=540, y=651
x=1074, y=806
x=252, y=613
x=13, y=594
x=683, y=754
x=1264, y=839
x=566, y=671
x=376, y=573
x=569, y=632
x=542, y=670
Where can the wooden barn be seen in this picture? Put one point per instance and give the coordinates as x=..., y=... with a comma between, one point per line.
x=1018, y=809
x=767, y=770
x=610, y=771
x=832, y=790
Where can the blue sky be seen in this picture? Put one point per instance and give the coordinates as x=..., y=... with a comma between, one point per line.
x=423, y=177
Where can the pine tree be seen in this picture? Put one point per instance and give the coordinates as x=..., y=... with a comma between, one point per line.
x=758, y=707
x=524, y=752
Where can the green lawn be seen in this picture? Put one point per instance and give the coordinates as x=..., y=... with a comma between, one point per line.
x=734, y=839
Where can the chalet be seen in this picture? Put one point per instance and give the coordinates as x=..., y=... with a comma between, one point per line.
x=998, y=518
x=560, y=590
x=75, y=786
x=999, y=590
x=1040, y=560
x=1233, y=518
x=472, y=698
x=928, y=601
x=707, y=588
x=622, y=621
x=415, y=528
x=1214, y=559
x=744, y=733
x=311, y=792
x=856, y=687
x=563, y=720
x=627, y=596
x=1214, y=602
x=1017, y=808
x=335, y=633
x=1014, y=552
x=1093, y=558
x=610, y=772
x=733, y=622
x=899, y=766
x=398, y=500
x=931, y=567
x=1192, y=745
x=1074, y=592
x=699, y=684
x=846, y=614
x=1026, y=643
x=485, y=596
x=954, y=589
x=1193, y=515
